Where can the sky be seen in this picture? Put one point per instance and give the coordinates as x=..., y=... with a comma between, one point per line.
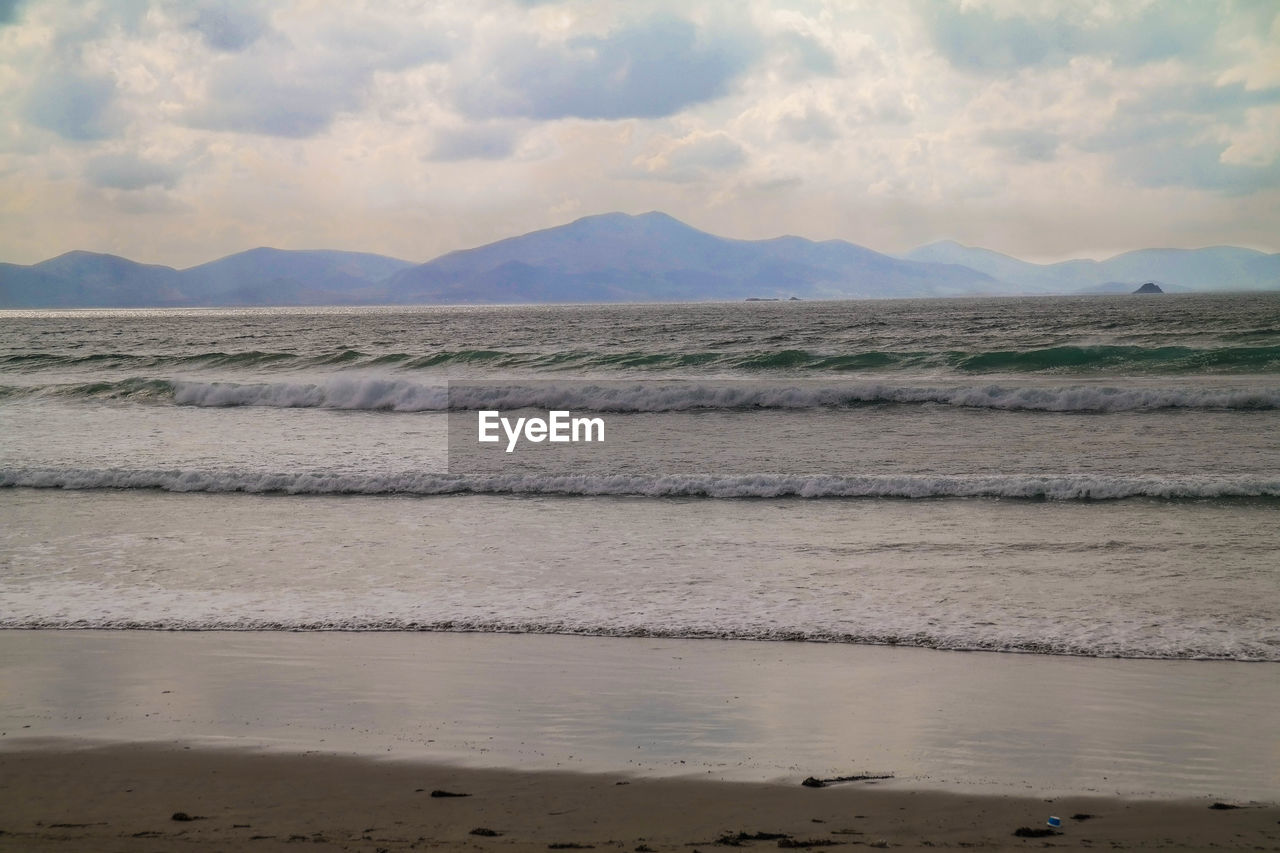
x=179, y=131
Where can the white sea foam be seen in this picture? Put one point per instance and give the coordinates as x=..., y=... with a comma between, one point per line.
x=403, y=396
x=69, y=605
x=1062, y=488
x=340, y=393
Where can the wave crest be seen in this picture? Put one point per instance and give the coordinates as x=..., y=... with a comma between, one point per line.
x=1060, y=488
x=1060, y=359
x=398, y=395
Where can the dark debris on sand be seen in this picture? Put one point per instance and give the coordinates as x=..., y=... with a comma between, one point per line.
x=1034, y=832
x=806, y=843
x=439, y=793
x=738, y=839
x=815, y=782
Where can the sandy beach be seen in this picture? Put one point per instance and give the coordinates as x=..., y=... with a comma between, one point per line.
x=270, y=739
x=134, y=797
x=1039, y=725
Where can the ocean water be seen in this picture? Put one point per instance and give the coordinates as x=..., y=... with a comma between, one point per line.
x=1093, y=476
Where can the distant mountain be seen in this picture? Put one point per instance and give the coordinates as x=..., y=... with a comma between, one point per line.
x=88, y=278
x=255, y=277
x=616, y=257
x=1220, y=268
x=273, y=276
x=653, y=257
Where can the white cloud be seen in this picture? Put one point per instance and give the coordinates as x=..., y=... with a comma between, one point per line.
x=650, y=69
x=1257, y=141
x=73, y=105
x=413, y=129
x=475, y=142
x=128, y=172
x=693, y=157
x=225, y=25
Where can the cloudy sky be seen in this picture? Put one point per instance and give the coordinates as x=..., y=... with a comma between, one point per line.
x=178, y=131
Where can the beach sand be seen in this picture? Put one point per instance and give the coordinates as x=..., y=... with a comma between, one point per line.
x=274, y=739
x=56, y=796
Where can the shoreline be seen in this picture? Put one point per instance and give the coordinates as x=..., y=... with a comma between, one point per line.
x=64, y=796
x=655, y=636
x=724, y=710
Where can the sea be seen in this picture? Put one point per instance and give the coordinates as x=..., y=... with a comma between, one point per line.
x=1087, y=476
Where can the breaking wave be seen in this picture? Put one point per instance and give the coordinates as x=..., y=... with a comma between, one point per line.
x=397, y=395
x=1192, y=648
x=1014, y=486
x=1058, y=359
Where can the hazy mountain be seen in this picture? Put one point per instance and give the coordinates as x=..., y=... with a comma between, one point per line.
x=616, y=257
x=88, y=278
x=274, y=276
x=1220, y=268
x=255, y=277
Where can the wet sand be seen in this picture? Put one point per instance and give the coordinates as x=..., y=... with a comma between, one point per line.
x=59, y=796
x=729, y=710
x=268, y=740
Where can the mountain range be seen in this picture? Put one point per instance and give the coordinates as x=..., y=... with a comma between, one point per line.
x=615, y=257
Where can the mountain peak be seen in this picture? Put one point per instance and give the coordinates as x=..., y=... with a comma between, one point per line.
x=80, y=255
x=78, y=259
x=621, y=220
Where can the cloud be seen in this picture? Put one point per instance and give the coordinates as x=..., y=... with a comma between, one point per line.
x=976, y=38
x=226, y=26
x=806, y=54
x=809, y=124
x=414, y=128
x=128, y=172
x=148, y=201
x=480, y=142
x=648, y=70
x=258, y=97
x=1028, y=144
x=1222, y=101
x=294, y=85
x=73, y=105
x=1257, y=141
x=693, y=157
x=1198, y=166
x=1195, y=135
x=9, y=11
